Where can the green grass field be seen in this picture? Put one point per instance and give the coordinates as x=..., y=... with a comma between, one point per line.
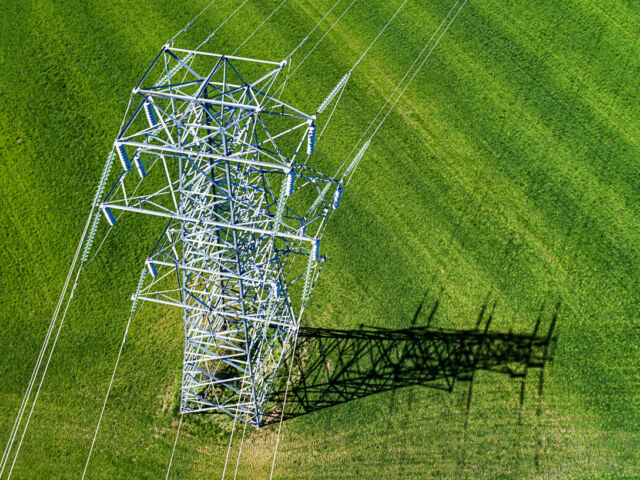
x=509, y=172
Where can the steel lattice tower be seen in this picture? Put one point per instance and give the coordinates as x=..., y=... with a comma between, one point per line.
x=219, y=158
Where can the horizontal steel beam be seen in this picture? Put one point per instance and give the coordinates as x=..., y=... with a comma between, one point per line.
x=152, y=148
x=231, y=57
x=223, y=225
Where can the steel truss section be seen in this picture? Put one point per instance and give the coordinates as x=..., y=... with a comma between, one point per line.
x=219, y=159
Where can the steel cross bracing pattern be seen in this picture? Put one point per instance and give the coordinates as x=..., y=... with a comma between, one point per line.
x=219, y=159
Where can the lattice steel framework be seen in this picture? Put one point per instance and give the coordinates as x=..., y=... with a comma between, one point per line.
x=220, y=159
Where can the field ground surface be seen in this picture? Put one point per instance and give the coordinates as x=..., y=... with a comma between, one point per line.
x=506, y=182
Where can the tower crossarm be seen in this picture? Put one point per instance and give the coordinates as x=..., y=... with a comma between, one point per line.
x=180, y=151
x=221, y=225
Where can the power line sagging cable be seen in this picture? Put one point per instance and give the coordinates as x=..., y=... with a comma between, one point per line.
x=115, y=368
x=259, y=27
x=173, y=451
x=349, y=174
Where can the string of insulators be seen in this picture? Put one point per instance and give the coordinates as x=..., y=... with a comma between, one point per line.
x=357, y=158
x=135, y=295
x=152, y=268
x=320, y=198
x=335, y=202
x=124, y=156
x=315, y=249
x=285, y=191
x=290, y=181
x=139, y=166
x=111, y=219
x=151, y=115
x=96, y=202
x=311, y=138
x=173, y=71
x=306, y=291
x=333, y=93
x=91, y=236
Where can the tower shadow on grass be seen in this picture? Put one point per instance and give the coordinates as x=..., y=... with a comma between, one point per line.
x=331, y=367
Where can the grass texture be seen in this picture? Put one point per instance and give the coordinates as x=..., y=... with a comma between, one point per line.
x=509, y=172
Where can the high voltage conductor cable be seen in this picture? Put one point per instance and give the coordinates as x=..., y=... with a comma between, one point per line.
x=322, y=38
x=344, y=79
x=43, y=350
x=397, y=87
x=45, y=344
x=259, y=26
x=36, y=369
x=338, y=90
x=354, y=163
x=46, y=367
x=348, y=173
x=88, y=240
x=378, y=36
x=233, y=429
x=173, y=451
x=190, y=24
x=304, y=40
x=115, y=368
x=284, y=404
x=224, y=470
x=358, y=157
x=290, y=73
x=417, y=70
x=34, y=376
x=30, y=386
x=221, y=25
x=244, y=430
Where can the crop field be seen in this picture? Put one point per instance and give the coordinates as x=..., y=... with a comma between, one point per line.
x=503, y=188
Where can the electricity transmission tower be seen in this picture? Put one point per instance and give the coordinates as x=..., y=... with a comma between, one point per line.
x=219, y=158
x=207, y=145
